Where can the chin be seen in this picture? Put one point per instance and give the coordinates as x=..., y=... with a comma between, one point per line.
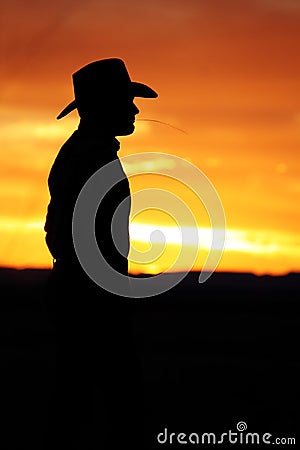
x=126, y=130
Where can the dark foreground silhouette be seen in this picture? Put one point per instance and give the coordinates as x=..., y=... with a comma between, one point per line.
x=96, y=356
x=212, y=355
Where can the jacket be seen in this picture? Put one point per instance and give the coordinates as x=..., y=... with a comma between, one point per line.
x=77, y=160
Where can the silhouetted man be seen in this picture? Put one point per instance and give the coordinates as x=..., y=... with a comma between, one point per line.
x=96, y=364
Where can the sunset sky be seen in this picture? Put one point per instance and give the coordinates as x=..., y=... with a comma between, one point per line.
x=228, y=77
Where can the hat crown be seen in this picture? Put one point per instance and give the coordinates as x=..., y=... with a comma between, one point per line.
x=104, y=78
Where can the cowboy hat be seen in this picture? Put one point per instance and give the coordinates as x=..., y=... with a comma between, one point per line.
x=102, y=80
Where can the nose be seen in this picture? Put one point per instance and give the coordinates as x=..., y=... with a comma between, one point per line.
x=135, y=109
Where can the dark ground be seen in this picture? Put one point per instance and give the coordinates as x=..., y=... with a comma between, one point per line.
x=212, y=355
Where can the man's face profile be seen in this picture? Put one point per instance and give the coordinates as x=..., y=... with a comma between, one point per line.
x=116, y=116
x=123, y=117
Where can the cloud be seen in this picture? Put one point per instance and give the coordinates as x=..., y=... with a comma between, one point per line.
x=282, y=5
x=148, y=165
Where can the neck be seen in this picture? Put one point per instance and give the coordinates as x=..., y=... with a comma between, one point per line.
x=94, y=129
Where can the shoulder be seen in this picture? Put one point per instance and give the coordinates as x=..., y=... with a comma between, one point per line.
x=63, y=160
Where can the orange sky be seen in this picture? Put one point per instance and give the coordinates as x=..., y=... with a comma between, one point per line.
x=227, y=74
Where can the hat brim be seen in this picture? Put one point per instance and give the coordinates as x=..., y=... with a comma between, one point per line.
x=137, y=90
